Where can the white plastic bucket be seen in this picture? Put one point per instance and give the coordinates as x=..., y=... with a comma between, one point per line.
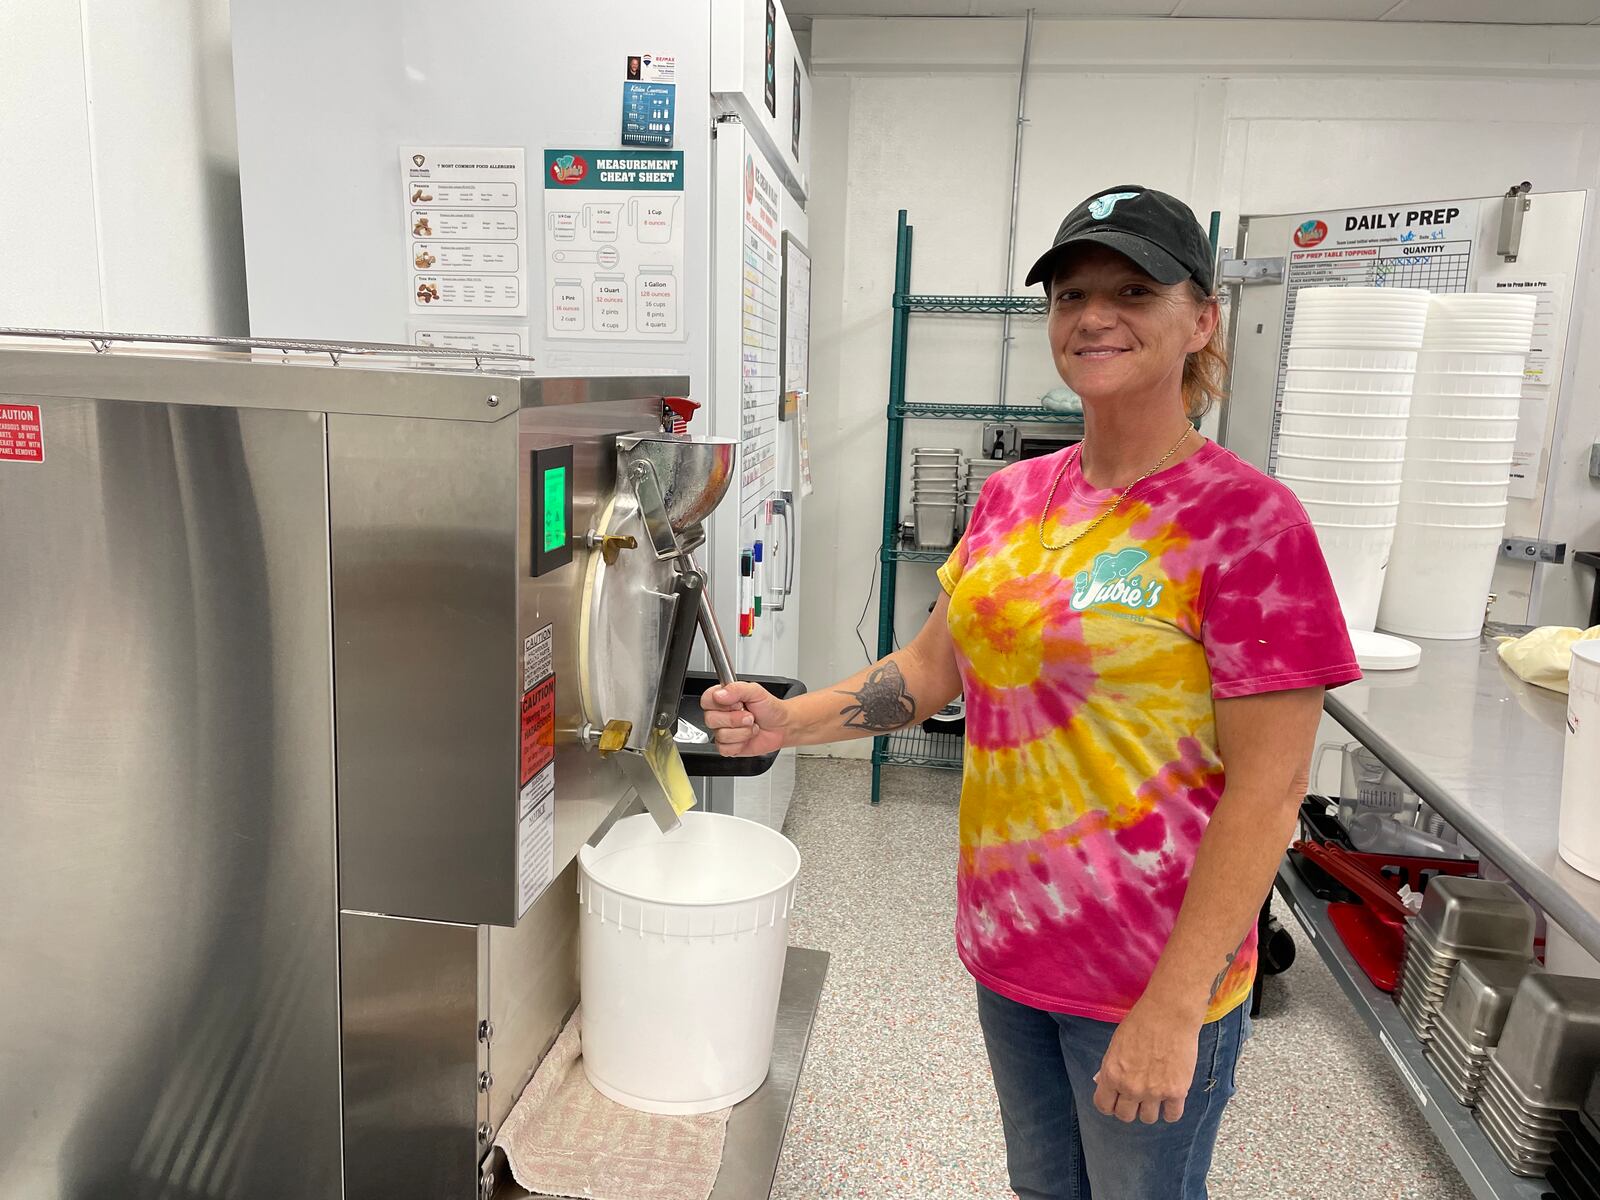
x=1316, y=379
x=1342, y=513
x=1465, y=429
x=1436, y=404
x=1335, y=491
x=1357, y=559
x=683, y=937
x=1429, y=491
x=1347, y=404
x=1364, y=360
x=1579, y=836
x=1437, y=585
x=1446, y=449
x=1308, y=425
x=1444, y=470
x=1339, y=470
x=1467, y=362
x=1350, y=448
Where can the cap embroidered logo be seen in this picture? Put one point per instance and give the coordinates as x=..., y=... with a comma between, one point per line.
x=1100, y=207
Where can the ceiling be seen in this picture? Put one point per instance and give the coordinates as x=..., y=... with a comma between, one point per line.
x=1488, y=12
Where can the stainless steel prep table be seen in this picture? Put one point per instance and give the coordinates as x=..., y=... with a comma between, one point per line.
x=1484, y=750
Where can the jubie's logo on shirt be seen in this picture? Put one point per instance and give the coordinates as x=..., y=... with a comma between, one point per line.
x=1113, y=580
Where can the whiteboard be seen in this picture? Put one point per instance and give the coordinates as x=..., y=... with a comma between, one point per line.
x=1465, y=232
x=795, y=333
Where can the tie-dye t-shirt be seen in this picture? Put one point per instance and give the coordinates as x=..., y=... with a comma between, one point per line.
x=1091, y=759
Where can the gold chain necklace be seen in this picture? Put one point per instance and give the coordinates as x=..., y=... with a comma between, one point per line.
x=1115, y=504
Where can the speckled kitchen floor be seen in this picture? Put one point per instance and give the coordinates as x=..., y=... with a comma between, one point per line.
x=896, y=1098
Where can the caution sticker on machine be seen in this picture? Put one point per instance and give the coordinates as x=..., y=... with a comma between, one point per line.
x=538, y=656
x=536, y=840
x=21, y=433
x=536, y=798
x=538, y=728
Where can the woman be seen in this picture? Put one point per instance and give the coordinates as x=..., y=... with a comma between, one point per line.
x=1143, y=627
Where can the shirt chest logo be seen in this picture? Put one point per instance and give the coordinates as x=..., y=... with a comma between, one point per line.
x=1114, y=580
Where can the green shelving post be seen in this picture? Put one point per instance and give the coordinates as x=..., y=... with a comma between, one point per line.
x=887, y=563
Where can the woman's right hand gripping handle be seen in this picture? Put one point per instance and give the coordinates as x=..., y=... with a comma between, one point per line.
x=745, y=719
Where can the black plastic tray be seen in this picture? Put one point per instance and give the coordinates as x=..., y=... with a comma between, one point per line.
x=701, y=759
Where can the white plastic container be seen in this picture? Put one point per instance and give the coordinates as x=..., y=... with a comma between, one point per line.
x=1446, y=405
x=683, y=937
x=1465, y=429
x=1444, y=470
x=1347, y=515
x=1441, y=515
x=1579, y=836
x=1448, y=449
x=1340, y=470
x=1333, y=491
x=1347, y=404
x=1437, y=585
x=1388, y=362
x=1357, y=561
x=1467, y=362
x=1436, y=491
x=1345, y=446
x=1343, y=426
x=1342, y=382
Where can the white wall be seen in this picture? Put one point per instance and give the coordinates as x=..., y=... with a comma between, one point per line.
x=121, y=195
x=1241, y=116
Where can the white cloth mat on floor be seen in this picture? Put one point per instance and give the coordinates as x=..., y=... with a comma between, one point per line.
x=564, y=1138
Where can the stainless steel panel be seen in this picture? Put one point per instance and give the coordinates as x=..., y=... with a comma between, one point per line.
x=588, y=414
x=426, y=665
x=533, y=987
x=236, y=380
x=168, y=998
x=433, y=595
x=411, y=1058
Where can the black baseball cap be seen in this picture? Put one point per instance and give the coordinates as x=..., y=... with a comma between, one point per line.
x=1157, y=231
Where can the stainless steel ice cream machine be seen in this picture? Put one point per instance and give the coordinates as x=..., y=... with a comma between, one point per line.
x=320, y=664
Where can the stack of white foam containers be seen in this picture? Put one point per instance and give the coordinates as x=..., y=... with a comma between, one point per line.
x=1458, y=463
x=1342, y=440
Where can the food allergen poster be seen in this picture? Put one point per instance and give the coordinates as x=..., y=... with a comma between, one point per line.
x=613, y=244
x=466, y=228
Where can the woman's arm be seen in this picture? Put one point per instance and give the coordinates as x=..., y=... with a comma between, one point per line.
x=893, y=692
x=1265, y=742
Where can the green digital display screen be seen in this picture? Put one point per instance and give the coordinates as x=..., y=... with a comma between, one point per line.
x=555, y=508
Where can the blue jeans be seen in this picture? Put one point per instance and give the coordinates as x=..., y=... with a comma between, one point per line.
x=1060, y=1147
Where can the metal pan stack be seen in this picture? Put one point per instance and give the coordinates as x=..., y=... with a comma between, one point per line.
x=978, y=471
x=1574, y=1172
x=1540, y=1072
x=935, y=496
x=1469, y=1025
x=1460, y=918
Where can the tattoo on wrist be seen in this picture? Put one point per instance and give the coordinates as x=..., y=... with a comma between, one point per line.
x=883, y=704
x=1216, y=984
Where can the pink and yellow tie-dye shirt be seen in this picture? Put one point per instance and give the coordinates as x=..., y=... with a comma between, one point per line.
x=1091, y=759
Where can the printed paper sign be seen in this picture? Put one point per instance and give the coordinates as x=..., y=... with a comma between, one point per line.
x=21, y=433
x=513, y=340
x=536, y=840
x=466, y=223
x=763, y=274
x=649, y=100
x=1541, y=377
x=613, y=235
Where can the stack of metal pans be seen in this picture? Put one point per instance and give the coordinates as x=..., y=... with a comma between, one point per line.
x=1542, y=1068
x=1469, y=1024
x=1575, y=1162
x=1460, y=918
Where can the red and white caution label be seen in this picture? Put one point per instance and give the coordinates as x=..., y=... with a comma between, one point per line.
x=536, y=798
x=21, y=433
